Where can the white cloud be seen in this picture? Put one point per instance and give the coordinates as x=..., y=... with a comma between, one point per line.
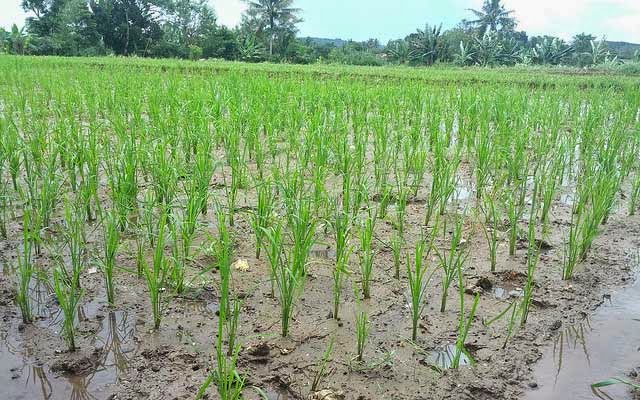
x=617, y=19
x=229, y=12
x=11, y=13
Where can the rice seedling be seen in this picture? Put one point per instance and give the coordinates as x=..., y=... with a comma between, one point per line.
x=301, y=222
x=289, y=280
x=4, y=205
x=533, y=256
x=452, y=260
x=491, y=225
x=635, y=194
x=362, y=332
x=322, y=370
x=123, y=182
x=75, y=242
x=68, y=293
x=110, y=249
x=342, y=230
x=515, y=200
x=156, y=276
x=366, y=253
x=25, y=271
x=228, y=381
x=397, y=244
x=463, y=329
x=418, y=281
x=443, y=185
x=262, y=216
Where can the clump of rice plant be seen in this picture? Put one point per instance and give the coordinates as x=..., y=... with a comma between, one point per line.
x=289, y=280
x=635, y=194
x=262, y=215
x=25, y=271
x=397, y=244
x=452, y=260
x=322, y=370
x=533, y=256
x=463, y=328
x=491, y=226
x=418, y=281
x=362, y=332
x=68, y=294
x=342, y=230
x=75, y=241
x=366, y=253
x=226, y=377
x=156, y=275
x=110, y=249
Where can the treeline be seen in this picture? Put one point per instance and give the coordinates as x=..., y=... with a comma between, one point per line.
x=189, y=29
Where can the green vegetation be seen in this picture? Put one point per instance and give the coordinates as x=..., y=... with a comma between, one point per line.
x=180, y=168
x=189, y=29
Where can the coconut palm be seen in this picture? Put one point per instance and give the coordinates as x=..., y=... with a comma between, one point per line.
x=274, y=16
x=493, y=17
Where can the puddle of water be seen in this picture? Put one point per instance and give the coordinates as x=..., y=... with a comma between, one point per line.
x=506, y=292
x=327, y=253
x=568, y=199
x=443, y=357
x=598, y=348
x=463, y=192
x=23, y=379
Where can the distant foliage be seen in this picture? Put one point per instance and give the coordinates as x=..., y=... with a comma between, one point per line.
x=188, y=29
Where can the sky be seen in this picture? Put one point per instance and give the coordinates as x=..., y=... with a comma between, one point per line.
x=363, y=19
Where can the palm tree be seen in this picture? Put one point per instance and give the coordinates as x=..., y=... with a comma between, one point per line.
x=492, y=17
x=275, y=15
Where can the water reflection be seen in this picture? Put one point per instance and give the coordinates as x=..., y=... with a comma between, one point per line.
x=443, y=357
x=573, y=338
x=114, y=343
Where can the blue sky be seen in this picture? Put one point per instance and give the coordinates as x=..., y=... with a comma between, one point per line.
x=362, y=19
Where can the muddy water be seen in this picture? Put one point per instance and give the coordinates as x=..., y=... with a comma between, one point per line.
x=21, y=378
x=605, y=345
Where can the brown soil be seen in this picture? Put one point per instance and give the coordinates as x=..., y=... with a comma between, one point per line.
x=121, y=357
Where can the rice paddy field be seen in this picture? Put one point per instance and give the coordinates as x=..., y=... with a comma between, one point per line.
x=211, y=230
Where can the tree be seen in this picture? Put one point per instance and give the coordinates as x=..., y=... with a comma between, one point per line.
x=189, y=21
x=398, y=51
x=250, y=50
x=465, y=55
x=493, y=17
x=222, y=42
x=550, y=50
x=598, y=52
x=276, y=17
x=128, y=26
x=488, y=49
x=18, y=40
x=426, y=45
